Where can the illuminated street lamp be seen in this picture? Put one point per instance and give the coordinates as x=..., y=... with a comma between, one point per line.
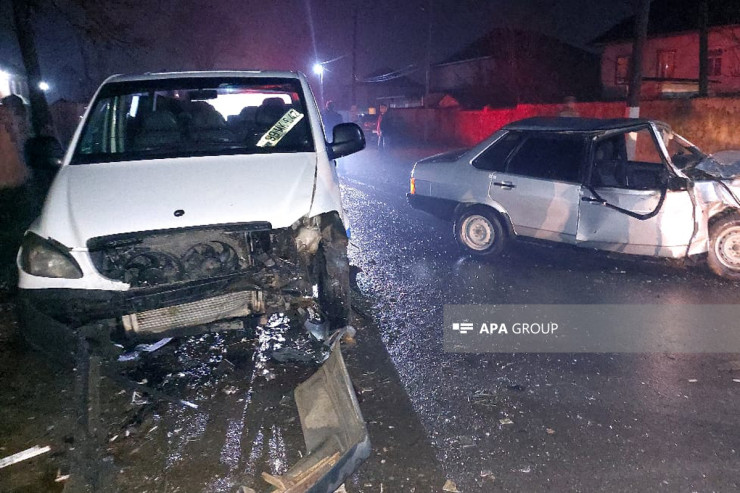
x=44, y=86
x=318, y=69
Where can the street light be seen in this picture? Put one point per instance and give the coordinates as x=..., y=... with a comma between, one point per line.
x=44, y=86
x=318, y=69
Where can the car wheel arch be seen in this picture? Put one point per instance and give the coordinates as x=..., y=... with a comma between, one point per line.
x=498, y=211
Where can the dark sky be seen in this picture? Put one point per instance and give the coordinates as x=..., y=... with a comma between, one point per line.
x=290, y=34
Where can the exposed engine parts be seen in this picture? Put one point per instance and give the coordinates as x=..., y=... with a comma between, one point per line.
x=152, y=259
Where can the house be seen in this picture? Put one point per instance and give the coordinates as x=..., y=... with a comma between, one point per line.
x=507, y=67
x=671, y=57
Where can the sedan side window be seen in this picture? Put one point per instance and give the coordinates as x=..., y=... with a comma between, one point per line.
x=494, y=158
x=551, y=157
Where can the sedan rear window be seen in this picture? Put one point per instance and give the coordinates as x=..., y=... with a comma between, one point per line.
x=552, y=157
x=195, y=117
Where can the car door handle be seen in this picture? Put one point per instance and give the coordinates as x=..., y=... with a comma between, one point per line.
x=593, y=200
x=506, y=185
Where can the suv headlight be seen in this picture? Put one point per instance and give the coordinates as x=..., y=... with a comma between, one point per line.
x=45, y=258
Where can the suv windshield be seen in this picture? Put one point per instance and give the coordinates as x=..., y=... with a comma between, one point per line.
x=195, y=117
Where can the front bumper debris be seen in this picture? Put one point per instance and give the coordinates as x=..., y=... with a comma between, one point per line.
x=333, y=429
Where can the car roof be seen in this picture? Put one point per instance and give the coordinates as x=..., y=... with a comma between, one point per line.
x=586, y=125
x=210, y=73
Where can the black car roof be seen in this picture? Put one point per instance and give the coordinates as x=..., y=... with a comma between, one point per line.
x=569, y=124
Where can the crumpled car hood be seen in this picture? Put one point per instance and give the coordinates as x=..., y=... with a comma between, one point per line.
x=723, y=164
x=88, y=201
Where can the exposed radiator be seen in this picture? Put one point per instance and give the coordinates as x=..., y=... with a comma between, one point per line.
x=194, y=313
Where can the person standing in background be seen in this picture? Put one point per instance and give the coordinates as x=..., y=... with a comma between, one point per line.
x=331, y=117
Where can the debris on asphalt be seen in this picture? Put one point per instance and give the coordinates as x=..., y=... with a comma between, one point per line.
x=29, y=453
x=450, y=487
x=487, y=475
x=506, y=421
x=736, y=380
x=143, y=348
x=316, y=325
x=550, y=431
x=693, y=380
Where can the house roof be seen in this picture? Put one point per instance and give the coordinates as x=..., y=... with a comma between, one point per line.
x=674, y=16
x=499, y=42
x=561, y=124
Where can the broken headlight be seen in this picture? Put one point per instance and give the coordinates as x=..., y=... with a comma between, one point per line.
x=45, y=258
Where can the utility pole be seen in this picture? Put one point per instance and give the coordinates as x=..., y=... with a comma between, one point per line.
x=354, y=55
x=428, y=75
x=40, y=116
x=638, y=48
x=704, y=48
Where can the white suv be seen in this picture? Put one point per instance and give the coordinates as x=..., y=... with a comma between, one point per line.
x=189, y=197
x=625, y=185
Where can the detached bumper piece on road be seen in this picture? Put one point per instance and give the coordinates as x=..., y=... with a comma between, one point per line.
x=333, y=428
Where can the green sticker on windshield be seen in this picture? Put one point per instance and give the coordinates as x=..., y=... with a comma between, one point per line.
x=282, y=127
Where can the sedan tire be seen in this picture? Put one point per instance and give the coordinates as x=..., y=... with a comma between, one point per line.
x=480, y=232
x=724, y=247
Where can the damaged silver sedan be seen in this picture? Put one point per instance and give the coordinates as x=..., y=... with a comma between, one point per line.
x=187, y=198
x=625, y=185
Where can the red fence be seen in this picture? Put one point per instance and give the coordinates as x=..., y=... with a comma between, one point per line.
x=712, y=123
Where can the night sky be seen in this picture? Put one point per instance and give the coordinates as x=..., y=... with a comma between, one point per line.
x=288, y=34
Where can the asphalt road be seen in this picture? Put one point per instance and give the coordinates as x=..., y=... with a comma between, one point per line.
x=579, y=422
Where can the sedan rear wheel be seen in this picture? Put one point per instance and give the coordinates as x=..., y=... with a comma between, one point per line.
x=724, y=247
x=480, y=232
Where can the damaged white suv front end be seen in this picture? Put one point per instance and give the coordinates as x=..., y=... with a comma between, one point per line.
x=187, y=198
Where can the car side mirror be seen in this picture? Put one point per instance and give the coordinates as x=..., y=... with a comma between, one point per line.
x=348, y=139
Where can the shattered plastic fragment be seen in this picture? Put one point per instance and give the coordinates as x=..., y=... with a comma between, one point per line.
x=506, y=421
x=450, y=487
x=24, y=455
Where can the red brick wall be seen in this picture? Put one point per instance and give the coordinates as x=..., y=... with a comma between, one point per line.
x=711, y=123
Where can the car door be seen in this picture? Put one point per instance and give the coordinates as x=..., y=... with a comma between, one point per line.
x=626, y=203
x=541, y=184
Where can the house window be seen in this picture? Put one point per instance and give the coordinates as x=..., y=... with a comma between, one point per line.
x=623, y=70
x=666, y=63
x=715, y=63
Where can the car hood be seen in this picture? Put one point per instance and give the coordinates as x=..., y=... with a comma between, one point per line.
x=87, y=201
x=723, y=164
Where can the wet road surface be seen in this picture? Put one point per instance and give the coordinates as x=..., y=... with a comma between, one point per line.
x=488, y=422
x=541, y=422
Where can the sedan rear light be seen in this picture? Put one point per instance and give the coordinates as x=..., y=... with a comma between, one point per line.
x=413, y=186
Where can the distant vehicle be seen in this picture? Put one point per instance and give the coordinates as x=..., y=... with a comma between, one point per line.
x=625, y=185
x=369, y=125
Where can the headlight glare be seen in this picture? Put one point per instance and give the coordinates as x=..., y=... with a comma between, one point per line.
x=44, y=258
